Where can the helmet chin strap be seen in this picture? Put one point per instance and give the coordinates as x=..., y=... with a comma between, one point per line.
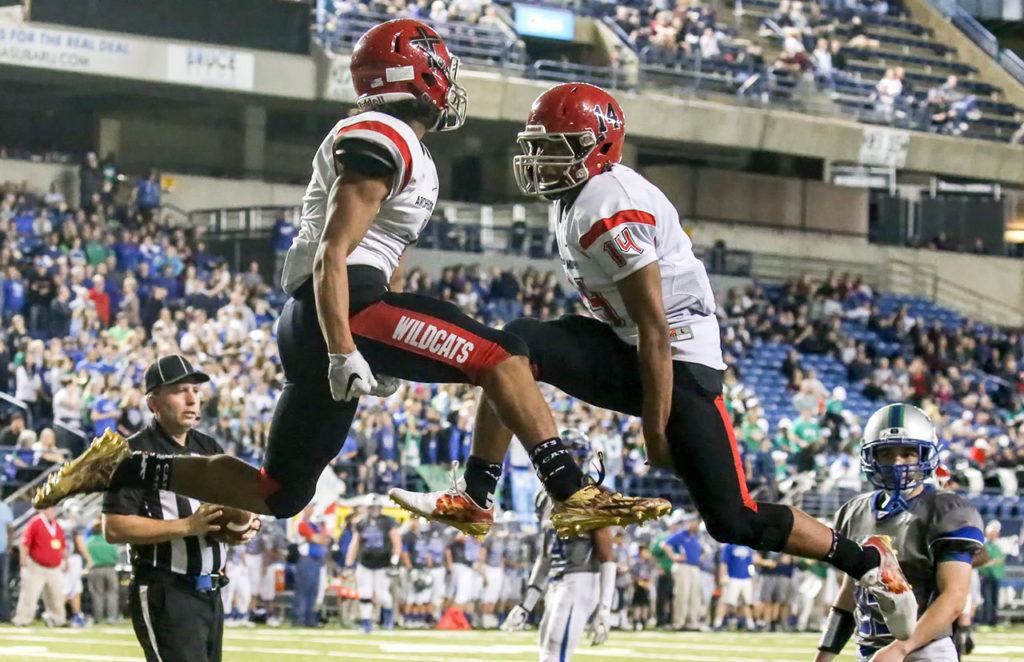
x=895, y=502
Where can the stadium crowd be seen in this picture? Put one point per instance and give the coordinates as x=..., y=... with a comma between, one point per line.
x=93, y=293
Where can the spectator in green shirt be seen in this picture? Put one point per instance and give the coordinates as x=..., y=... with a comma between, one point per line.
x=663, y=608
x=992, y=573
x=96, y=251
x=784, y=439
x=751, y=430
x=103, y=582
x=807, y=429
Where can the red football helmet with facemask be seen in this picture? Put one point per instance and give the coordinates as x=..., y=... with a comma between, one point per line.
x=575, y=131
x=406, y=60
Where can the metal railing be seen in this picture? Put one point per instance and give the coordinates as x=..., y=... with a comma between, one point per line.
x=23, y=406
x=1012, y=63
x=568, y=72
x=980, y=35
x=482, y=44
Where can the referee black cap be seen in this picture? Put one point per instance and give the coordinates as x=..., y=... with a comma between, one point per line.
x=172, y=369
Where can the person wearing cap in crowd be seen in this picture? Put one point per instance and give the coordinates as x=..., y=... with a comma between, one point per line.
x=992, y=573
x=177, y=568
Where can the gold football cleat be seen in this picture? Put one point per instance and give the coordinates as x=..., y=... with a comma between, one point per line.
x=89, y=472
x=595, y=508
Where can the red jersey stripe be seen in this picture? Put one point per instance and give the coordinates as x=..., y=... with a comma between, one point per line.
x=388, y=132
x=606, y=224
x=425, y=335
x=736, y=462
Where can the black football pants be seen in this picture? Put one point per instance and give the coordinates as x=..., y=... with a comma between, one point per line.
x=408, y=336
x=584, y=358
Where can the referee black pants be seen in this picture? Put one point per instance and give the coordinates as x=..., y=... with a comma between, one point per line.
x=411, y=337
x=584, y=358
x=175, y=623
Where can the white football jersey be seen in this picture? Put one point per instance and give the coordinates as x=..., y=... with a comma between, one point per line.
x=402, y=216
x=619, y=224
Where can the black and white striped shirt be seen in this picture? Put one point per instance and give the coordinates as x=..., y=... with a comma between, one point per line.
x=192, y=555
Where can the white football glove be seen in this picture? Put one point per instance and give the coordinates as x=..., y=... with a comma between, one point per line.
x=350, y=376
x=600, y=627
x=516, y=619
x=386, y=386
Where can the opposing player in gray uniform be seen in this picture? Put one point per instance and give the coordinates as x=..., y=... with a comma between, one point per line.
x=518, y=558
x=580, y=573
x=493, y=570
x=936, y=534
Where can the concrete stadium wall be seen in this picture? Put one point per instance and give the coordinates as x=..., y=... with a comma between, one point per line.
x=763, y=200
x=39, y=176
x=188, y=192
x=192, y=193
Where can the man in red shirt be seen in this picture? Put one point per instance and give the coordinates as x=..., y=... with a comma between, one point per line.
x=101, y=299
x=42, y=558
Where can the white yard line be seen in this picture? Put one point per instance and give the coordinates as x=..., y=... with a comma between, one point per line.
x=22, y=652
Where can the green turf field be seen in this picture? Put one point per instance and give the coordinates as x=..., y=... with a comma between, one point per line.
x=262, y=644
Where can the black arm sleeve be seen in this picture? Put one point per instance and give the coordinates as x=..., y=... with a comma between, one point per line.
x=364, y=158
x=839, y=627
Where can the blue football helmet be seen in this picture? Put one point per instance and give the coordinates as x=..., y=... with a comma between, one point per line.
x=899, y=425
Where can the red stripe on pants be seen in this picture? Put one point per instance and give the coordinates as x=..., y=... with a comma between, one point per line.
x=430, y=337
x=737, y=463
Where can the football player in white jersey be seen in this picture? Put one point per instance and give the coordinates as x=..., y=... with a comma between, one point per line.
x=577, y=574
x=345, y=333
x=651, y=347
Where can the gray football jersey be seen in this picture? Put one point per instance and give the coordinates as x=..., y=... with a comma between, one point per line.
x=570, y=555
x=938, y=526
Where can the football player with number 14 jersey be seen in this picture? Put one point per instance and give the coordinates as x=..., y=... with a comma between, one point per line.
x=651, y=347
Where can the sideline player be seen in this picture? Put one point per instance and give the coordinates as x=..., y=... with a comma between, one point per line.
x=581, y=573
x=492, y=568
x=418, y=581
x=373, y=189
x=652, y=348
x=377, y=546
x=936, y=533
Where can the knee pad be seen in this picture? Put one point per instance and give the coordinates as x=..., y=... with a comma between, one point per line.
x=284, y=500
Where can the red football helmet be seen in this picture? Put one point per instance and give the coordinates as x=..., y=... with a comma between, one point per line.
x=575, y=131
x=406, y=60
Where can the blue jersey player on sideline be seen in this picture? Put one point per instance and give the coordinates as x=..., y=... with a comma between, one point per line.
x=936, y=534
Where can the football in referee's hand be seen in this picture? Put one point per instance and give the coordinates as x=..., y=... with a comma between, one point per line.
x=235, y=525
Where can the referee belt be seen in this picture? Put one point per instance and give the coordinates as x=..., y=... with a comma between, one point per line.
x=198, y=583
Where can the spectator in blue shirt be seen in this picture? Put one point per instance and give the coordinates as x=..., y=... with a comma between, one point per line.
x=684, y=547
x=127, y=251
x=312, y=549
x=167, y=281
x=106, y=410
x=147, y=193
x=14, y=293
x=736, y=577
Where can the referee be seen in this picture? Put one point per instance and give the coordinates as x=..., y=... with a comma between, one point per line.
x=177, y=570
